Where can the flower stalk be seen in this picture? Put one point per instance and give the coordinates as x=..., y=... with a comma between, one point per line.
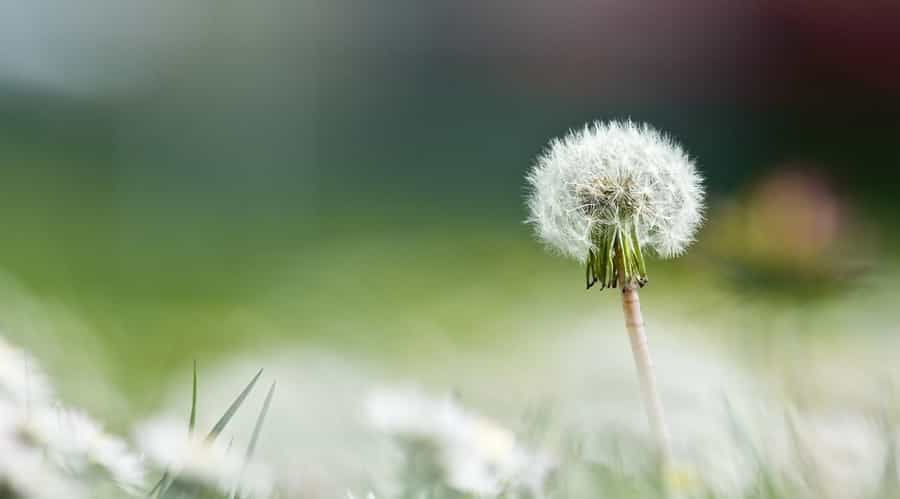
x=640, y=349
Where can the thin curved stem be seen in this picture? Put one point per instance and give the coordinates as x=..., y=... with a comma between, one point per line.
x=634, y=323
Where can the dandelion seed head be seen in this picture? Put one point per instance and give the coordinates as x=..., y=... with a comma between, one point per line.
x=612, y=176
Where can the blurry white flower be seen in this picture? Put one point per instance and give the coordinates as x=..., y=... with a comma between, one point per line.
x=72, y=443
x=615, y=188
x=477, y=455
x=26, y=474
x=192, y=458
x=67, y=439
x=79, y=445
x=21, y=378
x=370, y=495
x=25, y=471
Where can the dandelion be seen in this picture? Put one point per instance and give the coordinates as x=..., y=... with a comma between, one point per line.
x=605, y=194
x=610, y=191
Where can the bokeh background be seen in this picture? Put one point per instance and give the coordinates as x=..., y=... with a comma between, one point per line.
x=230, y=179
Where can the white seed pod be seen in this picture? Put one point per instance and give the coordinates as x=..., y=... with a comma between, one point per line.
x=615, y=179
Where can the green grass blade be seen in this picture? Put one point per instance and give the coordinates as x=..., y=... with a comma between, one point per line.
x=192, y=423
x=158, y=484
x=162, y=486
x=232, y=409
x=257, y=428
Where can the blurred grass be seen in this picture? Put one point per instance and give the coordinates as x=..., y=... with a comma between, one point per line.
x=139, y=290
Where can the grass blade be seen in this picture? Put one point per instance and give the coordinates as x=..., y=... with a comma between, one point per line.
x=257, y=428
x=192, y=423
x=232, y=409
x=162, y=485
x=158, y=484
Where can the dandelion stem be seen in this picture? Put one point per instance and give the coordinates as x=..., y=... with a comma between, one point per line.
x=634, y=323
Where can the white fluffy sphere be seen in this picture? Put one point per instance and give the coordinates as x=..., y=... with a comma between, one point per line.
x=615, y=176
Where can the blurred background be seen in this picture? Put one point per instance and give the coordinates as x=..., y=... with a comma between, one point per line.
x=211, y=180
